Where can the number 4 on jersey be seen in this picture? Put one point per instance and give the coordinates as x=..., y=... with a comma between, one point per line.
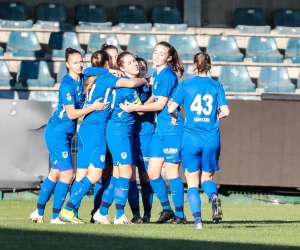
x=196, y=105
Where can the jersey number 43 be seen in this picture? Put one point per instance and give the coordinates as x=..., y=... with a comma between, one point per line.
x=196, y=105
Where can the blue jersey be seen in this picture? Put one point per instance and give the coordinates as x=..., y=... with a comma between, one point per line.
x=201, y=97
x=101, y=88
x=70, y=93
x=144, y=124
x=121, y=122
x=165, y=84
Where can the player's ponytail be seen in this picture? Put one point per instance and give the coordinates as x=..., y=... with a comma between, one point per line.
x=98, y=59
x=175, y=63
x=202, y=63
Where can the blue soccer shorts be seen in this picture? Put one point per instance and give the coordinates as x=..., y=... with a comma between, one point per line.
x=120, y=147
x=91, y=147
x=198, y=158
x=166, y=146
x=59, y=146
x=141, y=145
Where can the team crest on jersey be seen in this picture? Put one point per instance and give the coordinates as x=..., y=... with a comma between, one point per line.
x=102, y=158
x=69, y=97
x=65, y=154
x=143, y=97
x=124, y=155
x=155, y=85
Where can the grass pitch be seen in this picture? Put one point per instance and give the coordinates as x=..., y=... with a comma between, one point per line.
x=243, y=227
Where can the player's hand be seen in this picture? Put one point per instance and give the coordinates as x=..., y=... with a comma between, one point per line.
x=117, y=73
x=128, y=107
x=97, y=105
x=174, y=121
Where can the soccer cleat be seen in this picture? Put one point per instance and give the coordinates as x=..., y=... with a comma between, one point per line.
x=146, y=219
x=137, y=219
x=35, y=217
x=68, y=216
x=216, y=209
x=57, y=221
x=123, y=220
x=165, y=215
x=178, y=220
x=198, y=226
x=101, y=219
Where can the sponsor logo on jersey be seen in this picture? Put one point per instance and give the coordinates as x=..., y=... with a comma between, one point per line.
x=69, y=97
x=102, y=158
x=143, y=97
x=124, y=155
x=144, y=159
x=65, y=154
x=170, y=150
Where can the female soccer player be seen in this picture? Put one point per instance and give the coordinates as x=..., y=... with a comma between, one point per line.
x=58, y=134
x=91, y=135
x=119, y=140
x=204, y=104
x=142, y=134
x=166, y=141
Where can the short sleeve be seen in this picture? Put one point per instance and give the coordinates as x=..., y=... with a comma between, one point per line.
x=179, y=95
x=67, y=94
x=110, y=80
x=132, y=96
x=166, y=85
x=221, y=97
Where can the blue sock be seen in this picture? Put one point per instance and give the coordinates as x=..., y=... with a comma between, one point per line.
x=108, y=196
x=45, y=194
x=133, y=198
x=177, y=193
x=83, y=187
x=121, y=195
x=147, y=196
x=160, y=189
x=195, y=203
x=60, y=194
x=73, y=188
x=99, y=189
x=210, y=189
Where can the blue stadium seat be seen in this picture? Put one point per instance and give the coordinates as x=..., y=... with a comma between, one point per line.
x=24, y=44
x=142, y=45
x=166, y=15
x=151, y=69
x=251, y=17
x=245, y=29
x=5, y=77
x=288, y=30
x=130, y=14
x=224, y=48
x=34, y=74
x=287, y=17
x=188, y=71
x=9, y=94
x=263, y=49
x=293, y=50
x=90, y=13
x=186, y=46
x=170, y=27
x=59, y=41
x=96, y=40
x=236, y=79
x=14, y=15
x=135, y=26
x=1, y=51
x=275, y=79
x=62, y=71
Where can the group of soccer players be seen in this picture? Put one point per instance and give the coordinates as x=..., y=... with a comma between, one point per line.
x=132, y=121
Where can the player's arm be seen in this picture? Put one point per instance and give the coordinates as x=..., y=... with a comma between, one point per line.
x=130, y=83
x=223, y=111
x=172, y=109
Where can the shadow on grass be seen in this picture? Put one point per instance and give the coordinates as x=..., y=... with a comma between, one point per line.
x=44, y=240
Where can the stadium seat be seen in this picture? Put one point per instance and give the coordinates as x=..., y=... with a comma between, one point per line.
x=293, y=50
x=170, y=27
x=91, y=17
x=263, y=49
x=59, y=41
x=288, y=18
x=130, y=14
x=5, y=77
x=62, y=71
x=14, y=15
x=251, y=17
x=245, y=29
x=288, y=30
x=51, y=16
x=275, y=79
x=24, y=44
x=135, y=26
x=142, y=45
x=236, y=79
x=1, y=51
x=43, y=96
x=151, y=69
x=188, y=71
x=224, y=48
x=186, y=46
x=9, y=94
x=166, y=15
x=96, y=40
x=34, y=74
